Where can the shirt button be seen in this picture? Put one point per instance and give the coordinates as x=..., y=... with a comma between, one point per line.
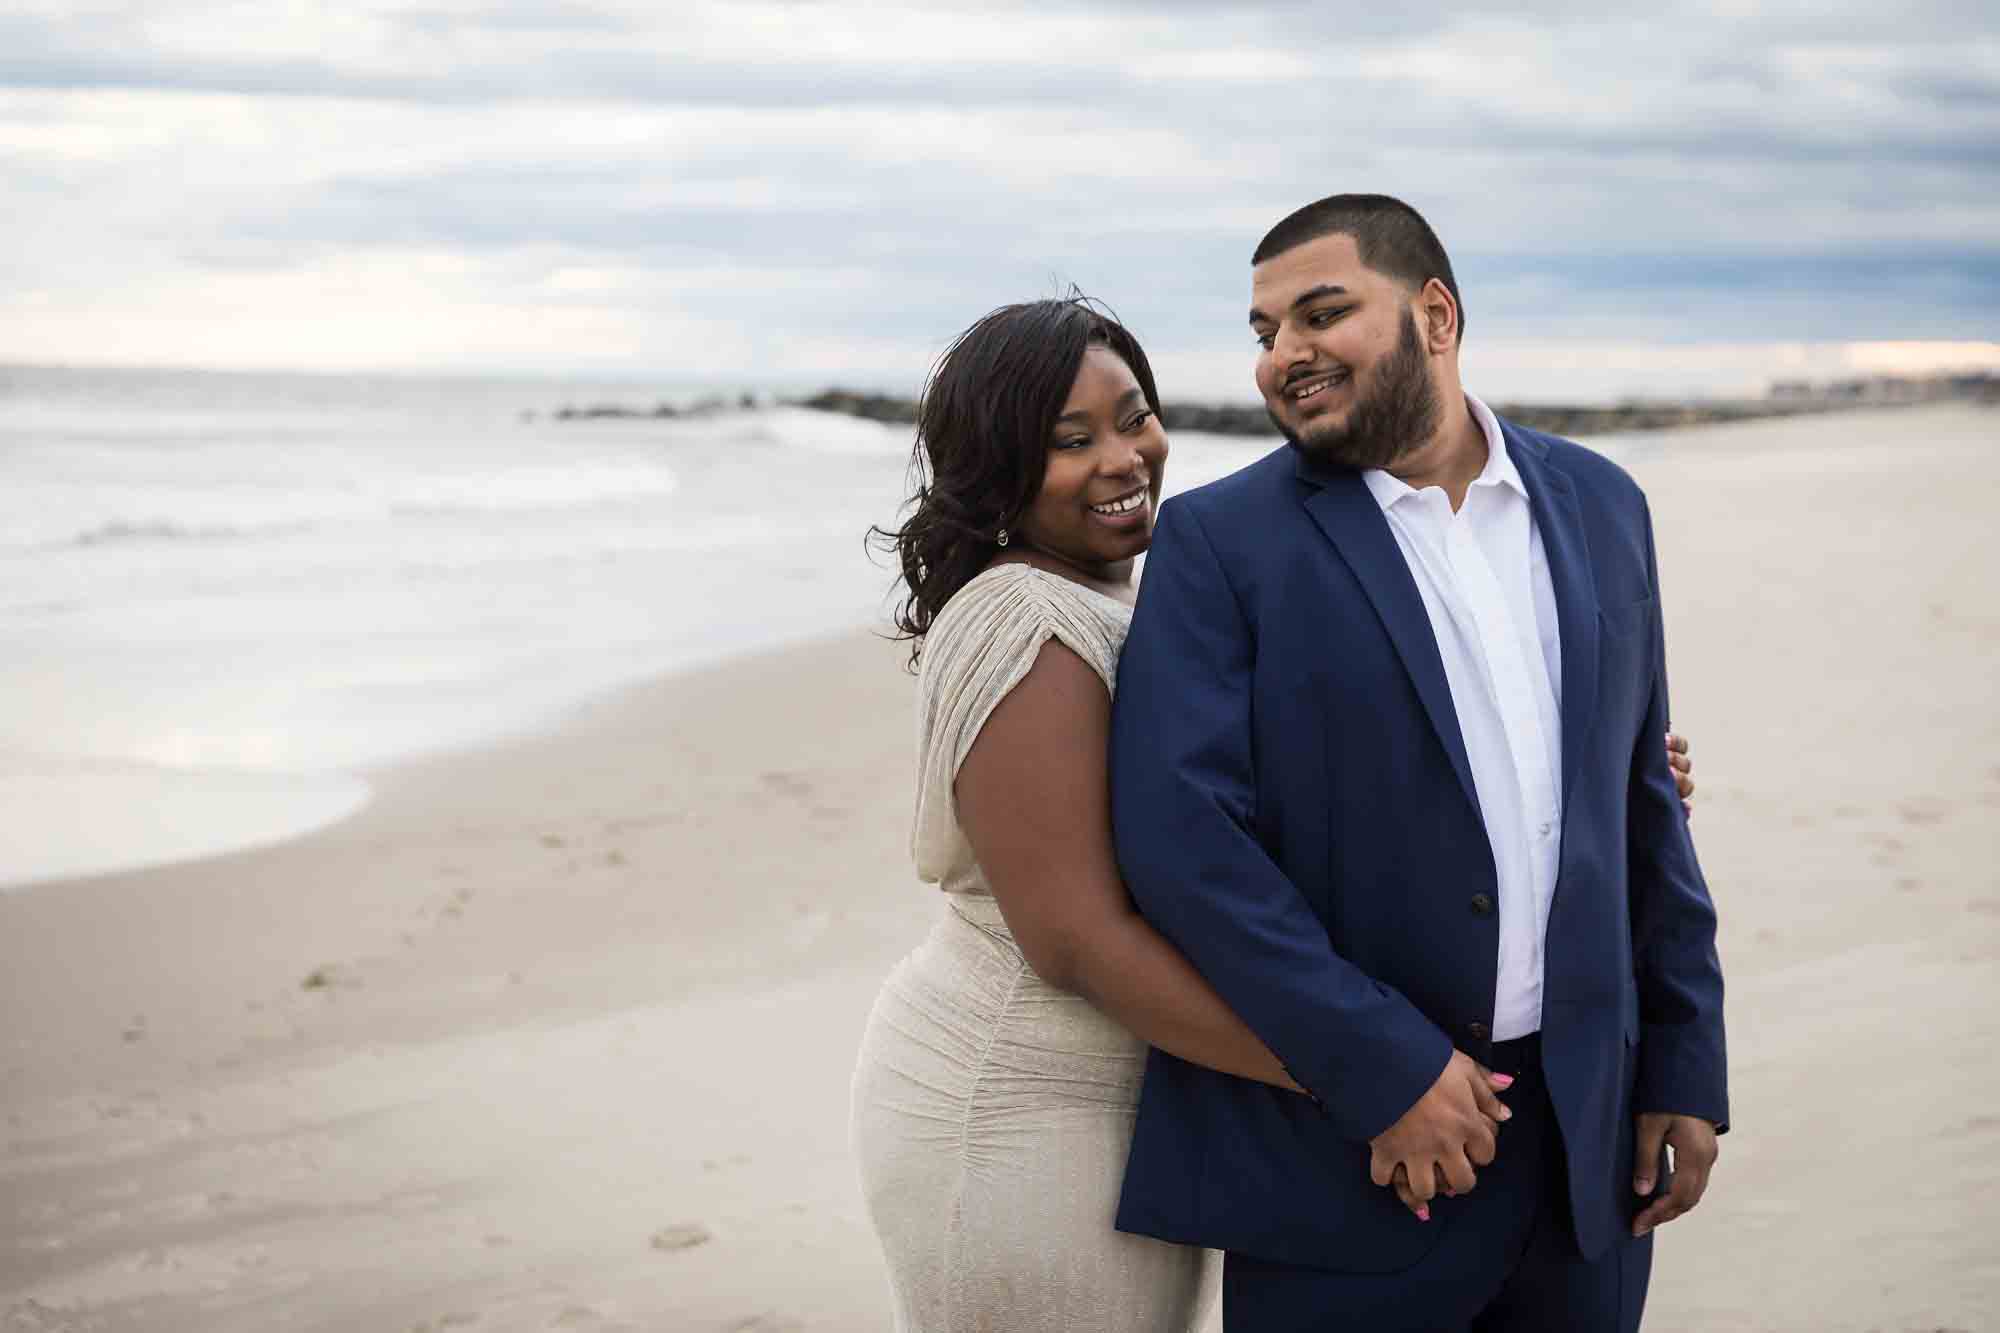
x=1544, y=829
x=1477, y=1031
x=1482, y=905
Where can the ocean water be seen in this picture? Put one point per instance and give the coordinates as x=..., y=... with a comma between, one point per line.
x=224, y=596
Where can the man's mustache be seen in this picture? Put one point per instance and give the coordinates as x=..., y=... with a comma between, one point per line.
x=1298, y=376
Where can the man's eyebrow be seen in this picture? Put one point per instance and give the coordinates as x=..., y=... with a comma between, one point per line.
x=1306, y=297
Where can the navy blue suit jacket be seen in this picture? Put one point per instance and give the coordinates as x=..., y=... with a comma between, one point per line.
x=1294, y=810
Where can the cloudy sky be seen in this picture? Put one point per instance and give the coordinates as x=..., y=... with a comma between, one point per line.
x=798, y=193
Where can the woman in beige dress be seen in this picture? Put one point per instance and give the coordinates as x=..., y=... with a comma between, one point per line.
x=997, y=1081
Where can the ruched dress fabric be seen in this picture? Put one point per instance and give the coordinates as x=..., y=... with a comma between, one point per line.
x=991, y=1111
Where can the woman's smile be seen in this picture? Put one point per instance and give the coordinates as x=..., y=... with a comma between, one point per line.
x=1124, y=511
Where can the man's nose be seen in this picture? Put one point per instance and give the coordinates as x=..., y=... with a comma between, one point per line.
x=1290, y=347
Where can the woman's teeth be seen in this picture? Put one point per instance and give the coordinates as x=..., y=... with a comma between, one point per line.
x=1131, y=502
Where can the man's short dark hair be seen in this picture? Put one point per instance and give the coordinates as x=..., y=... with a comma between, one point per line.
x=1390, y=236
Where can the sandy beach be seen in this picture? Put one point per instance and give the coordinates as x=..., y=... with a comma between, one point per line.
x=555, y=1033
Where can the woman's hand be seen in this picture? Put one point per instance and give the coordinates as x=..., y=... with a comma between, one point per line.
x=1683, y=766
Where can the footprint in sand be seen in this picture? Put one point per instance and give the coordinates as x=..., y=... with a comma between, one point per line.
x=614, y=827
x=807, y=926
x=786, y=784
x=1889, y=849
x=684, y=1236
x=717, y=1163
x=32, y=1314
x=1979, y=1124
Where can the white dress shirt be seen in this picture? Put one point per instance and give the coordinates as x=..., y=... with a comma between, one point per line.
x=1484, y=578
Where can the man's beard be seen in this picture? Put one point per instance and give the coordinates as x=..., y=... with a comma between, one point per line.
x=1398, y=412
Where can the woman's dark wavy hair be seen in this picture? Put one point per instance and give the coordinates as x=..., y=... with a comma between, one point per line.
x=984, y=424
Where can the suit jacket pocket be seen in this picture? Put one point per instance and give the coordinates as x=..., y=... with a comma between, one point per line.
x=1622, y=620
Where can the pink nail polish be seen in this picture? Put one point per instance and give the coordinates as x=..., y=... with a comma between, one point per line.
x=1424, y=1213
x=1503, y=1081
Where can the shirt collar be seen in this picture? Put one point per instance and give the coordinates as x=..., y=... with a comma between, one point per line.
x=1499, y=469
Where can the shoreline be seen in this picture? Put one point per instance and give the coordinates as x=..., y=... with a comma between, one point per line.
x=277, y=806
x=186, y=815
x=557, y=1031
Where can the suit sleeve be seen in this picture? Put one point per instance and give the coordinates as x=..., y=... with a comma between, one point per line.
x=1682, y=1065
x=1184, y=796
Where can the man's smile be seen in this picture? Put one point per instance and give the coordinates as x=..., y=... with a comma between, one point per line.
x=1301, y=389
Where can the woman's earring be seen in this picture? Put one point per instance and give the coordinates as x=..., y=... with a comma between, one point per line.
x=1002, y=538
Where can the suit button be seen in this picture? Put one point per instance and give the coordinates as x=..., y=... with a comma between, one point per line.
x=1482, y=904
x=1478, y=1031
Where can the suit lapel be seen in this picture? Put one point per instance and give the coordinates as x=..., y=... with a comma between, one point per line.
x=1344, y=510
x=1553, y=502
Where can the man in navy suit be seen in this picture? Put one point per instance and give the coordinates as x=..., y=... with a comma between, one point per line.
x=1386, y=764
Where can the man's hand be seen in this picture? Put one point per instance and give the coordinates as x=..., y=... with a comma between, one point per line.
x=1695, y=1150
x=1438, y=1141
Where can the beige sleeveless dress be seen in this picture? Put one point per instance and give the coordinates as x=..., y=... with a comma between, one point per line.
x=991, y=1111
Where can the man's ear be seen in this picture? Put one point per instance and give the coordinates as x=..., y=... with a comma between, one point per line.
x=1437, y=316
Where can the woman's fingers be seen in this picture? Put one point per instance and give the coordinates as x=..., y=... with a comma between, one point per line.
x=1683, y=767
x=1486, y=1090
x=1401, y=1184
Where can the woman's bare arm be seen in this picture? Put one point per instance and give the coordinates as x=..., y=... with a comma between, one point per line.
x=1034, y=802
